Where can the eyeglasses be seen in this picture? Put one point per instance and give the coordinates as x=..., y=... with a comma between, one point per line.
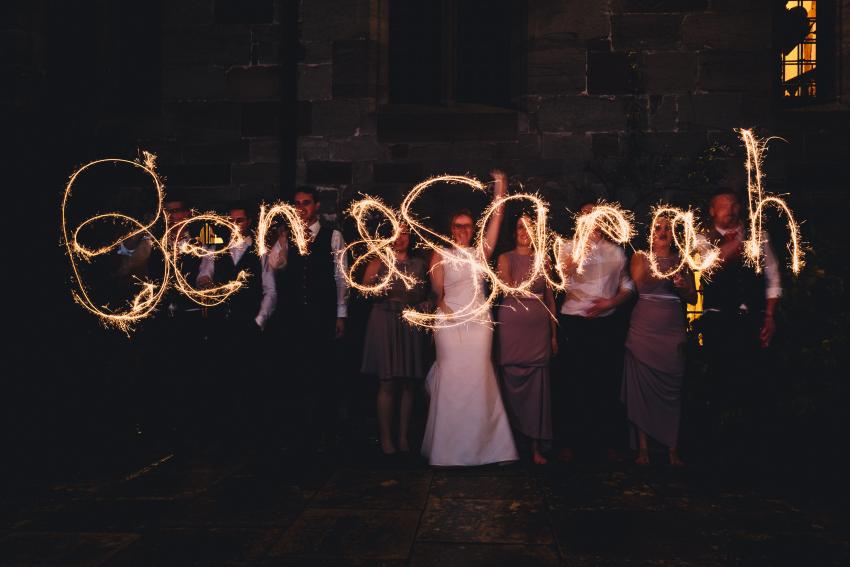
x=238, y=220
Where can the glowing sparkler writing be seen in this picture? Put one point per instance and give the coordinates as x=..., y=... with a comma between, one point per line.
x=172, y=244
x=478, y=306
x=757, y=201
x=699, y=256
x=539, y=236
x=181, y=244
x=569, y=255
x=377, y=246
x=145, y=301
x=607, y=218
x=297, y=228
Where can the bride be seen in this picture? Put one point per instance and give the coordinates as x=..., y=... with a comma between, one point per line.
x=467, y=424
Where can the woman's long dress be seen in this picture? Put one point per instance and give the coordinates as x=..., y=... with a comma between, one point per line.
x=655, y=360
x=525, y=339
x=467, y=424
x=393, y=348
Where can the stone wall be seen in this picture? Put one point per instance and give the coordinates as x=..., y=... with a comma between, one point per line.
x=632, y=100
x=218, y=137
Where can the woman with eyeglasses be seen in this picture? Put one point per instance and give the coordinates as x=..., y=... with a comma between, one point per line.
x=467, y=424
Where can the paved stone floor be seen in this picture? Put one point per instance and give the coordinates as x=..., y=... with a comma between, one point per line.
x=269, y=511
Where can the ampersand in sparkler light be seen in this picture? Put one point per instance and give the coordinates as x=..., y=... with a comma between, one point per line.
x=757, y=201
x=376, y=245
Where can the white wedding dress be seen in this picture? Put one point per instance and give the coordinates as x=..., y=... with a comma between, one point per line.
x=467, y=424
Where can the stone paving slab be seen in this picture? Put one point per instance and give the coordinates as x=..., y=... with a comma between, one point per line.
x=633, y=535
x=584, y=489
x=323, y=561
x=365, y=534
x=504, y=487
x=273, y=511
x=484, y=470
x=201, y=547
x=474, y=555
x=381, y=489
x=485, y=521
x=49, y=549
x=204, y=512
x=171, y=482
x=242, y=501
x=104, y=515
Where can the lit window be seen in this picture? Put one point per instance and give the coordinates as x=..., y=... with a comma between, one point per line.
x=799, y=56
x=694, y=311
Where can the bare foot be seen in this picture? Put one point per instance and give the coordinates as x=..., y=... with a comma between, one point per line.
x=565, y=455
x=642, y=458
x=538, y=458
x=387, y=447
x=675, y=461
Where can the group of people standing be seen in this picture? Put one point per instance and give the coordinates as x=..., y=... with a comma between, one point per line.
x=488, y=397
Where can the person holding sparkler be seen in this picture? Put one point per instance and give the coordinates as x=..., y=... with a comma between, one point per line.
x=527, y=339
x=239, y=322
x=655, y=347
x=739, y=305
x=587, y=399
x=467, y=424
x=314, y=307
x=394, y=350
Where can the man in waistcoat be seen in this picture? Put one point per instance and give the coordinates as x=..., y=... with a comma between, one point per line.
x=739, y=306
x=238, y=324
x=313, y=298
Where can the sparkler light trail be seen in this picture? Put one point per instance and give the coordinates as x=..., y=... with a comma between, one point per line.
x=145, y=301
x=698, y=255
x=376, y=246
x=609, y=219
x=756, y=203
x=539, y=234
x=172, y=244
x=477, y=307
x=298, y=230
x=210, y=296
x=570, y=255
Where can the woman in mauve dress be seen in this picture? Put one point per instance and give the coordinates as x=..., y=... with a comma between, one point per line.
x=394, y=350
x=527, y=340
x=655, y=348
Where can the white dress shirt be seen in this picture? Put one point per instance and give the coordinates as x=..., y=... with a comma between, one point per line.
x=269, y=302
x=278, y=258
x=604, y=275
x=772, y=278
